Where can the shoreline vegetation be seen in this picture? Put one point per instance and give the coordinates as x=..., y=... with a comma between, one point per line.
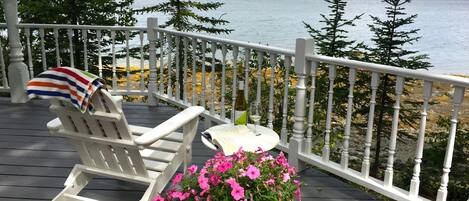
x=441, y=94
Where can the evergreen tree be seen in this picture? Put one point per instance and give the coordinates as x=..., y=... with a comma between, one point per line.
x=185, y=15
x=331, y=39
x=391, y=38
x=75, y=12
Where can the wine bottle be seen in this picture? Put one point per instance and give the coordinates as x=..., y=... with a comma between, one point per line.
x=240, y=110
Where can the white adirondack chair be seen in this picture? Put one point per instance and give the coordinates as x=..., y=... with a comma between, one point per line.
x=109, y=147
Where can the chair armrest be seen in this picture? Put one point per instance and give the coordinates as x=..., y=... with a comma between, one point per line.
x=170, y=125
x=54, y=125
x=118, y=100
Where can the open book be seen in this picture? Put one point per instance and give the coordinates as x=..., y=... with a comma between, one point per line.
x=228, y=138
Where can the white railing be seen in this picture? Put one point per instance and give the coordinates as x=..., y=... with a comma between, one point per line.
x=45, y=31
x=177, y=58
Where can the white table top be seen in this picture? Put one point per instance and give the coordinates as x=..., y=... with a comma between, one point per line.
x=267, y=140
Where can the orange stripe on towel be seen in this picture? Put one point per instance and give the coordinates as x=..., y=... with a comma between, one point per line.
x=58, y=86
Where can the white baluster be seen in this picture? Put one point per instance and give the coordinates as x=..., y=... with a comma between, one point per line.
x=194, y=72
x=348, y=122
x=273, y=64
x=303, y=47
x=330, y=102
x=369, y=130
x=30, y=57
x=162, y=41
x=458, y=98
x=223, y=81
x=312, y=95
x=415, y=182
x=247, y=59
x=113, y=49
x=127, y=59
x=57, y=49
x=260, y=60
x=204, y=87
x=100, y=59
x=70, y=43
x=85, y=48
x=213, y=49
x=169, y=40
x=152, y=23
x=184, y=85
x=234, y=91
x=286, y=87
x=177, y=95
x=2, y=68
x=43, y=49
x=388, y=174
x=142, y=63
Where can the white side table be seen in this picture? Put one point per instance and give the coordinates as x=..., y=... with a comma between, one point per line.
x=267, y=139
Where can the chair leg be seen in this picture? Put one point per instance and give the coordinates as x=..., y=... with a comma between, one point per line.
x=75, y=182
x=150, y=193
x=187, y=157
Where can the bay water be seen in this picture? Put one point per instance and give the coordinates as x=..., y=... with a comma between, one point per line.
x=443, y=24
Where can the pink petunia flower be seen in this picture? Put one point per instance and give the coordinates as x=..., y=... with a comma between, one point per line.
x=285, y=177
x=192, y=169
x=215, y=179
x=177, y=179
x=203, y=182
x=242, y=173
x=158, y=198
x=281, y=160
x=252, y=172
x=203, y=171
x=223, y=167
x=219, y=155
x=298, y=194
x=259, y=150
x=270, y=182
x=180, y=195
x=237, y=192
x=232, y=182
x=291, y=170
x=298, y=183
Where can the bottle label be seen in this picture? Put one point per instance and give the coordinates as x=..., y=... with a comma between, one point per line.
x=241, y=117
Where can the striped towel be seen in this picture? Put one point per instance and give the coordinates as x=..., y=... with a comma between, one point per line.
x=65, y=83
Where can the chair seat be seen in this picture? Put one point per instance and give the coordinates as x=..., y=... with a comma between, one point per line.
x=158, y=156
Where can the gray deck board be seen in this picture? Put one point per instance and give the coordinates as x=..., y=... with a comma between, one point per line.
x=34, y=164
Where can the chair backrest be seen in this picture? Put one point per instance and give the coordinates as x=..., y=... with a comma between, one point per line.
x=102, y=136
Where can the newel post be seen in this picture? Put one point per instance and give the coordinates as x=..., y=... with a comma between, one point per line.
x=17, y=69
x=151, y=35
x=303, y=47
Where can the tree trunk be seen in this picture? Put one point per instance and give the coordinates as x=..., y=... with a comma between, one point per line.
x=379, y=130
x=181, y=70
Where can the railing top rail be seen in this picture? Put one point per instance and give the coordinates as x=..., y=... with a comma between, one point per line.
x=408, y=73
x=457, y=81
x=253, y=46
x=70, y=26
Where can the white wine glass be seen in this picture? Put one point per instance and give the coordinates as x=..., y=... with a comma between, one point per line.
x=255, y=116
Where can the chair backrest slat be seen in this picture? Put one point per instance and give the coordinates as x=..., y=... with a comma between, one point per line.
x=78, y=145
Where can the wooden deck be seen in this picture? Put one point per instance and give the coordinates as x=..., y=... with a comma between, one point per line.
x=34, y=164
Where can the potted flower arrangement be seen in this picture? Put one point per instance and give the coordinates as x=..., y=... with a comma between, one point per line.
x=242, y=176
